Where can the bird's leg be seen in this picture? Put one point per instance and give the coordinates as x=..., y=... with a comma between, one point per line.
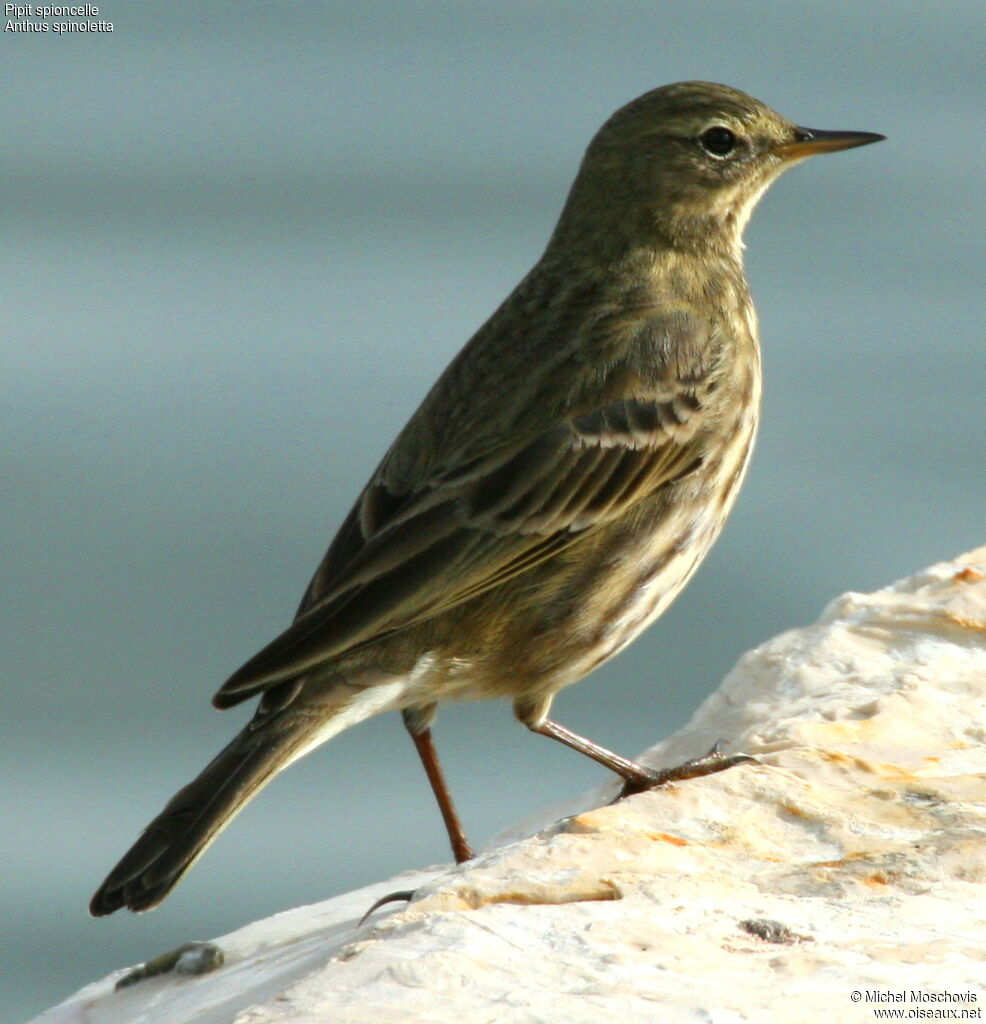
x=425, y=746
x=708, y=764
x=637, y=777
x=417, y=722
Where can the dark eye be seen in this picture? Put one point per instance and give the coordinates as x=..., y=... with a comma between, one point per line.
x=718, y=141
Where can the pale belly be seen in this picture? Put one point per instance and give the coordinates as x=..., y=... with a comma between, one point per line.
x=548, y=647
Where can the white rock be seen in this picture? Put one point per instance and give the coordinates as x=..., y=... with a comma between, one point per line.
x=852, y=858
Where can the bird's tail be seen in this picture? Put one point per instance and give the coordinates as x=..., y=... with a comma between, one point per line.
x=196, y=815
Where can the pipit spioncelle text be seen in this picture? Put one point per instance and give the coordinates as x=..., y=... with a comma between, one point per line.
x=553, y=492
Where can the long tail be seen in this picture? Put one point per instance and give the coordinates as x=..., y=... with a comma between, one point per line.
x=196, y=815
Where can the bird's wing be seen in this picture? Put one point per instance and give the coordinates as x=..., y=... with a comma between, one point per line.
x=402, y=557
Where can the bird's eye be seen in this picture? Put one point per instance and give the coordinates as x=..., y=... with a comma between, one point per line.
x=718, y=141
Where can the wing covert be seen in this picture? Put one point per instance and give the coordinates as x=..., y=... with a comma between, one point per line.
x=466, y=532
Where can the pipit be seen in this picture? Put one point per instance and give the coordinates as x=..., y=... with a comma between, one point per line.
x=553, y=492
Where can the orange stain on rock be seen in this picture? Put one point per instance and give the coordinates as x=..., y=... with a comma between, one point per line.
x=666, y=837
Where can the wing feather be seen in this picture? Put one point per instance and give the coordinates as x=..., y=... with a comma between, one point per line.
x=404, y=556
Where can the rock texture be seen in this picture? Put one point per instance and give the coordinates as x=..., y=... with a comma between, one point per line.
x=841, y=874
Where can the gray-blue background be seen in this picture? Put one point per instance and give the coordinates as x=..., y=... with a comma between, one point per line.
x=240, y=240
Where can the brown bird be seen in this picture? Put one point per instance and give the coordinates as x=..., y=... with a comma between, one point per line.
x=554, y=491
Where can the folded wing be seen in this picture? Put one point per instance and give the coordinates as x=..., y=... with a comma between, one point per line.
x=403, y=556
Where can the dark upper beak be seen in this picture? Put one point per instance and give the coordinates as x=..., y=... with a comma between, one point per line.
x=809, y=141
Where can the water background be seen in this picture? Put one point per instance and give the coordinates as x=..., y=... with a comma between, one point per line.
x=241, y=239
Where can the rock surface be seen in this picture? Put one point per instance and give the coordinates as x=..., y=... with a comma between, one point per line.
x=843, y=873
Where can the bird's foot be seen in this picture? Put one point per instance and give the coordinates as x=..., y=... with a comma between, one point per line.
x=402, y=896
x=708, y=764
x=189, y=958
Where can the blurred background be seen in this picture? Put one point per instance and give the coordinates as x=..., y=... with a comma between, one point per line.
x=239, y=242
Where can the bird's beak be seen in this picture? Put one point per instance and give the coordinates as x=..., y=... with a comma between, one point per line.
x=809, y=141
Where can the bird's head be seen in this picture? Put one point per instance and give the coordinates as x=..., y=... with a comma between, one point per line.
x=688, y=162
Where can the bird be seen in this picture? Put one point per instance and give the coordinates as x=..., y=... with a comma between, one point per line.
x=553, y=492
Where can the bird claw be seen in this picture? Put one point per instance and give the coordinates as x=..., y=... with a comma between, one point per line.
x=402, y=895
x=708, y=764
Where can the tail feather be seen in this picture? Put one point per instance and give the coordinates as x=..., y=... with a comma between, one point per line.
x=196, y=815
